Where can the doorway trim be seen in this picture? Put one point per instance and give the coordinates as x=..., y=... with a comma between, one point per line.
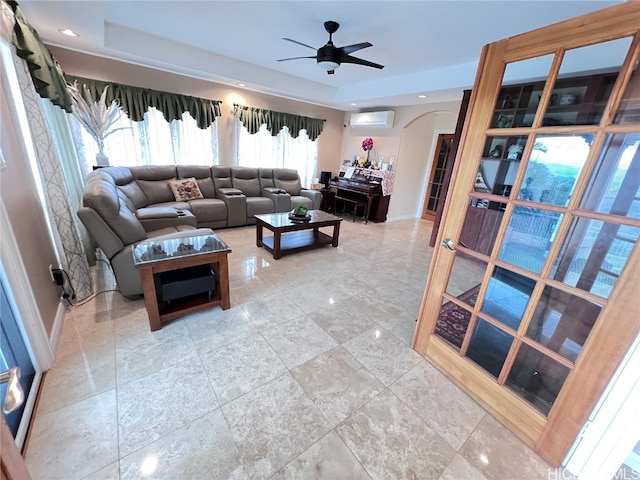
x=13, y=273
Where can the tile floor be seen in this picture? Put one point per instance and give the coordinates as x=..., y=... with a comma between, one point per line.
x=309, y=375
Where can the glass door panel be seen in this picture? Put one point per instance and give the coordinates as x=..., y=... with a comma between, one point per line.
x=489, y=347
x=594, y=254
x=614, y=185
x=554, y=167
x=629, y=110
x=580, y=100
x=562, y=322
x=536, y=377
x=464, y=284
x=507, y=296
x=528, y=238
x=517, y=106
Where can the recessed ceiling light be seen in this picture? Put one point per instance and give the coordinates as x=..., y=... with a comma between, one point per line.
x=68, y=32
x=242, y=84
x=353, y=104
x=422, y=96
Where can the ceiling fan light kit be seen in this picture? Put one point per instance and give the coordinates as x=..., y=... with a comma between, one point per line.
x=330, y=57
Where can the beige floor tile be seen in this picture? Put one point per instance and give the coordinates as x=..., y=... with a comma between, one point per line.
x=79, y=375
x=327, y=459
x=142, y=352
x=271, y=310
x=497, y=453
x=342, y=320
x=450, y=412
x=215, y=327
x=337, y=383
x=272, y=425
x=110, y=472
x=155, y=405
x=460, y=469
x=382, y=354
x=241, y=366
x=390, y=442
x=299, y=340
x=74, y=441
x=202, y=449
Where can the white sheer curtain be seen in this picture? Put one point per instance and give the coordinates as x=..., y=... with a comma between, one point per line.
x=282, y=151
x=153, y=141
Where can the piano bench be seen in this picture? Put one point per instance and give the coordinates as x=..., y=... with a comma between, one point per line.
x=355, y=202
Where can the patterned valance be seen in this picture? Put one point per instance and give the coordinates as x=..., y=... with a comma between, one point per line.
x=135, y=101
x=48, y=77
x=253, y=118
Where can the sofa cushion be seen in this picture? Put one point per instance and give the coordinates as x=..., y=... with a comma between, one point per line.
x=287, y=179
x=221, y=177
x=266, y=177
x=202, y=174
x=185, y=189
x=259, y=206
x=246, y=179
x=154, y=181
x=209, y=209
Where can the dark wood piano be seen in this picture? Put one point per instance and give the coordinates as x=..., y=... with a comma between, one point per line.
x=364, y=187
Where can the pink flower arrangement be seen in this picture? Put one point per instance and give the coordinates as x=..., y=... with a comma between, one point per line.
x=367, y=144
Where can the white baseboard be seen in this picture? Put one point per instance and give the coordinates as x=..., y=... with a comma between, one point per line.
x=403, y=217
x=58, y=323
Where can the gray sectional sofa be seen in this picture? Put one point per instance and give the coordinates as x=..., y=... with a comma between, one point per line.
x=125, y=205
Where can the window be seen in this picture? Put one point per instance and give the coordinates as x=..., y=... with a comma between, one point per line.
x=281, y=151
x=153, y=141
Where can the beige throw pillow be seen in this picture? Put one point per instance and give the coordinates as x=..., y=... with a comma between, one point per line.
x=185, y=189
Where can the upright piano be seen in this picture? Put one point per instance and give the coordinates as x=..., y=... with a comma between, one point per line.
x=367, y=188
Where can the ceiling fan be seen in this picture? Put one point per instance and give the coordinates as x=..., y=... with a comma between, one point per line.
x=329, y=57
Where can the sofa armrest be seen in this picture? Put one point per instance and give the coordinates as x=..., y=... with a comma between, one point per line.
x=281, y=198
x=314, y=195
x=155, y=218
x=236, y=203
x=228, y=192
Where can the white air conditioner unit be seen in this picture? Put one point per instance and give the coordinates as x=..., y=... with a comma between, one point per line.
x=372, y=119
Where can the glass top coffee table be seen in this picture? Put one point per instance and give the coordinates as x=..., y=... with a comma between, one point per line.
x=290, y=236
x=182, y=275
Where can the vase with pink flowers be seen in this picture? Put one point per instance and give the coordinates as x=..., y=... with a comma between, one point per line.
x=367, y=145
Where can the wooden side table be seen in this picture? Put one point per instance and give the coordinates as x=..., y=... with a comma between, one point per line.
x=153, y=257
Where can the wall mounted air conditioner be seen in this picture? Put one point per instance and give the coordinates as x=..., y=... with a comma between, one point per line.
x=372, y=119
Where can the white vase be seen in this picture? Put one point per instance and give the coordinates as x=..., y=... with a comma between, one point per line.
x=102, y=160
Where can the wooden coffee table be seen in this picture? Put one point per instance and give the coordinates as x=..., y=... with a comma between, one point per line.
x=181, y=255
x=295, y=236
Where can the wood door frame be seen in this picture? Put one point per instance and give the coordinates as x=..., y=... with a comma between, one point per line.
x=442, y=137
x=616, y=328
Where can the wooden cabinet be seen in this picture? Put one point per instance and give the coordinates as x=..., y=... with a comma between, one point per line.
x=480, y=228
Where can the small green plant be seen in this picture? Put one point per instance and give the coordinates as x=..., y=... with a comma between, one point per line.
x=301, y=210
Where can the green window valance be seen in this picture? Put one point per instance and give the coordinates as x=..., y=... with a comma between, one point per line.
x=135, y=101
x=253, y=118
x=46, y=73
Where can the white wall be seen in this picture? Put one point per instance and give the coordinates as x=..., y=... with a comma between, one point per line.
x=411, y=141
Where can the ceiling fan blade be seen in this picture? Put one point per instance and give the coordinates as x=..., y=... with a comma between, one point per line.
x=299, y=43
x=355, y=47
x=292, y=58
x=359, y=61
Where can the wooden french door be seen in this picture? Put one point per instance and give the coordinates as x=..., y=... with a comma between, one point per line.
x=532, y=298
x=438, y=175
